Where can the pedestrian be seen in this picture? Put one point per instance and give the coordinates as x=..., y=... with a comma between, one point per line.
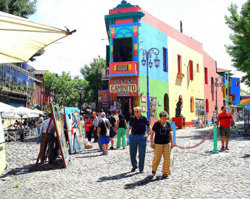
x=138, y=138
x=95, y=126
x=38, y=125
x=224, y=118
x=112, y=121
x=121, y=127
x=50, y=140
x=160, y=144
x=103, y=132
x=88, y=130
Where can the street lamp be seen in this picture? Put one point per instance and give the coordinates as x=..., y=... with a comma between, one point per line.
x=146, y=60
x=80, y=101
x=217, y=84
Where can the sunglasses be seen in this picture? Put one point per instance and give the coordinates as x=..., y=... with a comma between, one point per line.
x=137, y=111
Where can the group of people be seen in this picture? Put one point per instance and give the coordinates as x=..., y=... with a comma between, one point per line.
x=138, y=129
x=104, y=126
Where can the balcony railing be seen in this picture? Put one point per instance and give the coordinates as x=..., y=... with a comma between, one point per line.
x=129, y=68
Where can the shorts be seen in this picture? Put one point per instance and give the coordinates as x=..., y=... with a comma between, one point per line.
x=111, y=133
x=225, y=131
x=104, y=139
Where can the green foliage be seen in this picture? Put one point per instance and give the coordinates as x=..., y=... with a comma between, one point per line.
x=21, y=8
x=93, y=74
x=65, y=90
x=240, y=48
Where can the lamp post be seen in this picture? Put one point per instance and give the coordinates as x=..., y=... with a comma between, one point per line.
x=80, y=100
x=146, y=60
x=216, y=84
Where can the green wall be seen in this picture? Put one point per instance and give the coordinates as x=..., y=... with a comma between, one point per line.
x=156, y=89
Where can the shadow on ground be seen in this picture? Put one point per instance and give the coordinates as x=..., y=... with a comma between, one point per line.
x=142, y=182
x=116, y=177
x=31, y=168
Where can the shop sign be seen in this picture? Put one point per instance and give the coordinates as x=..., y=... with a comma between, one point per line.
x=103, y=96
x=123, y=89
x=122, y=68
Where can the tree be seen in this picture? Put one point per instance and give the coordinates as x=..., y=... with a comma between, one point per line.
x=93, y=75
x=65, y=90
x=21, y=8
x=240, y=48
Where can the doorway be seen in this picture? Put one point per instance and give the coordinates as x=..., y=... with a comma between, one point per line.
x=126, y=104
x=166, y=103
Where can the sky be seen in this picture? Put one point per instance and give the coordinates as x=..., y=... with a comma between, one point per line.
x=203, y=20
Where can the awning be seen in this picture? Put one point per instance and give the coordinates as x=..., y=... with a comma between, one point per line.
x=21, y=38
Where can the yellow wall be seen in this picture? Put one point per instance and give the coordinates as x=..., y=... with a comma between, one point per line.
x=181, y=86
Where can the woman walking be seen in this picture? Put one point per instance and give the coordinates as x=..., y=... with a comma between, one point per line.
x=160, y=144
x=121, y=127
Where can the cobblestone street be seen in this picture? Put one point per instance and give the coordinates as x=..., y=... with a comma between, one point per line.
x=197, y=173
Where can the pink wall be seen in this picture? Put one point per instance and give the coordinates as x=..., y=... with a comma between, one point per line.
x=209, y=63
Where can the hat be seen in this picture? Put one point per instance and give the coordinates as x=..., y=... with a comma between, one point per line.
x=103, y=114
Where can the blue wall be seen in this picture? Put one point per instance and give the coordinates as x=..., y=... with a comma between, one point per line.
x=150, y=37
x=235, y=90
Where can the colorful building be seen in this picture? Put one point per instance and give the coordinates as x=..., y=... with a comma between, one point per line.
x=176, y=65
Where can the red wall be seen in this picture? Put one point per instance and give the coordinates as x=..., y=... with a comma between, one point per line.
x=209, y=63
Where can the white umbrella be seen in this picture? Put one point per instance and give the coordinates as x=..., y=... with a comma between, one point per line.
x=19, y=113
x=21, y=38
x=5, y=107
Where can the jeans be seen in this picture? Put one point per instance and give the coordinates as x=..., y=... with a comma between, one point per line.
x=38, y=133
x=140, y=142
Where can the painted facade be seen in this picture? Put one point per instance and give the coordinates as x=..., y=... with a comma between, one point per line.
x=210, y=76
x=234, y=90
x=180, y=73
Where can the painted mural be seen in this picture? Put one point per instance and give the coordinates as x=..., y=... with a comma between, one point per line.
x=2, y=148
x=57, y=119
x=74, y=130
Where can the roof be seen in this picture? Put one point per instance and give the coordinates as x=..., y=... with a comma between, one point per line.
x=221, y=70
x=40, y=72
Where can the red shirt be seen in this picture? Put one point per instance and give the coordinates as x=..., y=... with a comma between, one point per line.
x=224, y=119
x=87, y=125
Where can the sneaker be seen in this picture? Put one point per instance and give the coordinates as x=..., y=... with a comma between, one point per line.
x=133, y=169
x=222, y=148
x=123, y=147
x=111, y=148
x=164, y=176
x=227, y=148
x=141, y=171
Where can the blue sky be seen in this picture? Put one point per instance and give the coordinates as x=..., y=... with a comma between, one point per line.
x=202, y=20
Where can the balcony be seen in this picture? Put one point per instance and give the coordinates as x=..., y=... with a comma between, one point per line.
x=129, y=68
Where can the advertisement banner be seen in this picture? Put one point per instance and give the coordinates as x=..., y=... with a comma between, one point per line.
x=74, y=129
x=103, y=96
x=124, y=86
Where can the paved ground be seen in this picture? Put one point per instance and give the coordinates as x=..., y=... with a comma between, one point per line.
x=197, y=173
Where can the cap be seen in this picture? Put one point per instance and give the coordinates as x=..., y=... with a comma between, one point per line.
x=103, y=114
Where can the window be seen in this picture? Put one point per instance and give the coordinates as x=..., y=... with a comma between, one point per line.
x=179, y=64
x=207, y=106
x=165, y=59
x=123, y=50
x=198, y=68
x=206, y=76
x=191, y=74
x=192, y=104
